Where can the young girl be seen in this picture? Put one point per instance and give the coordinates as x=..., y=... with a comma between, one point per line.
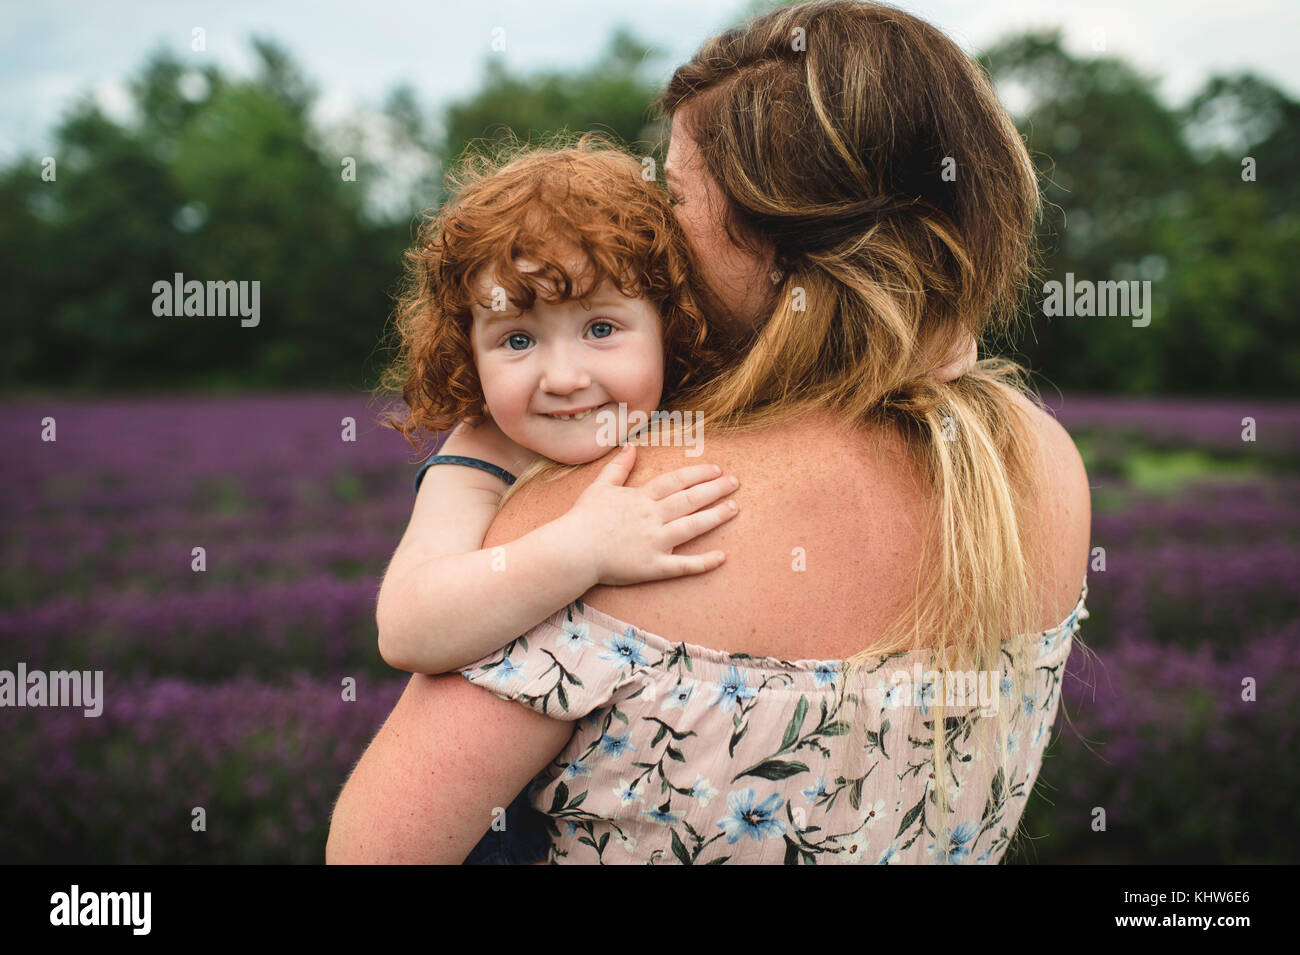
x=548, y=300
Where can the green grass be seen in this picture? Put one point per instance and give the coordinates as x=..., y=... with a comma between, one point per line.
x=348, y=487
x=1164, y=472
x=1112, y=460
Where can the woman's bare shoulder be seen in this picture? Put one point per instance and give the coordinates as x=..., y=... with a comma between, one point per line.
x=1063, y=518
x=1059, y=467
x=815, y=445
x=550, y=496
x=812, y=496
x=844, y=504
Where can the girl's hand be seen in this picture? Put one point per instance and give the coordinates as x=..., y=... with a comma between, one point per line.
x=630, y=532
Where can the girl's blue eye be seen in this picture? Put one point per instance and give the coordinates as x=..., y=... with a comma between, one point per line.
x=520, y=335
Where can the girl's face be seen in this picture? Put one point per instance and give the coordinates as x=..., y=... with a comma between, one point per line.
x=564, y=358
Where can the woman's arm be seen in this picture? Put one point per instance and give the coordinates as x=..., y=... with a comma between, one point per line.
x=451, y=753
x=449, y=758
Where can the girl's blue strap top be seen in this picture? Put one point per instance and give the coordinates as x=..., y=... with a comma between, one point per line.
x=502, y=473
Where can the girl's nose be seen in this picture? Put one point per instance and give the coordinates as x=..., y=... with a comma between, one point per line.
x=563, y=376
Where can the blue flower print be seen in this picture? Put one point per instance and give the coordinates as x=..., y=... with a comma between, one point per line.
x=505, y=671
x=959, y=844
x=615, y=746
x=897, y=695
x=662, y=815
x=702, y=791
x=731, y=689
x=625, y=649
x=576, y=768
x=745, y=819
x=679, y=696
x=629, y=792
x=1048, y=642
x=826, y=672
x=924, y=697
x=817, y=789
x=672, y=750
x=576, y=635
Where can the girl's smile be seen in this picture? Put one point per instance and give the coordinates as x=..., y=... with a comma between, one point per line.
x=578, y=414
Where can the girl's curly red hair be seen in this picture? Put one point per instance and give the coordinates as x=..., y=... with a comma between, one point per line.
x=540, y=203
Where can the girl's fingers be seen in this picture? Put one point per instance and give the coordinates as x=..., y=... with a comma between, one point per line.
x=682, y=478
x=691, y=499
x=619, y=466
x=693, y=525
x=685, y=564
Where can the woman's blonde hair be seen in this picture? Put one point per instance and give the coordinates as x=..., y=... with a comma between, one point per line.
x=873, y=155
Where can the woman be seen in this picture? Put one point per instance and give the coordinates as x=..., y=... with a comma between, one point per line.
x=886, y=518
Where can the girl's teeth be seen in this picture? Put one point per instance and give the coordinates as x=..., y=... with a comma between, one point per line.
x=574, y=417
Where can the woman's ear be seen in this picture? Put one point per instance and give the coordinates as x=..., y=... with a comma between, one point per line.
x=961, y=360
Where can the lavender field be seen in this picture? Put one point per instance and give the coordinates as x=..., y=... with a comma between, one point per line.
x=224, y=689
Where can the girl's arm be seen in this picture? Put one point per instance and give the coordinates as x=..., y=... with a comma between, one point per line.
x=446, y=602
x=426, y=611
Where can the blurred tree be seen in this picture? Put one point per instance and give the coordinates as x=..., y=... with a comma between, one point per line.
x=228, y=179
x=218, y=181
x=612, y=95
x=1129, y=198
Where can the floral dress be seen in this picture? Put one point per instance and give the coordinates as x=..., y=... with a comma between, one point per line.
x=687, y=755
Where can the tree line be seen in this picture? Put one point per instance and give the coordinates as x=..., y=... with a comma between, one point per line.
x=228, y=178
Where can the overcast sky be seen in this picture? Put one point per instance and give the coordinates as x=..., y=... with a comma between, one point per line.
x=357, y=51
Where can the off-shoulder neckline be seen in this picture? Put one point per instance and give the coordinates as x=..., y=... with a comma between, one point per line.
x=726, y=657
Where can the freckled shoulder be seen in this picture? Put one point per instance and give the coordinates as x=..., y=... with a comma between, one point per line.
x=545, y=499
x=811, y=485
x=845, y=507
